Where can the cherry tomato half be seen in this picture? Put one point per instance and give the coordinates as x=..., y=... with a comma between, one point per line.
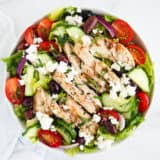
x=43, y=28
x=143, y=101
x=137, y=53
x=30, y=34
x=51, y=139
x=47, y=45
x=14, y=91
x=123, y=31
x=109, y=112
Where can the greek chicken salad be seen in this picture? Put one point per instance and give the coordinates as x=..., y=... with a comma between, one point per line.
x=79, y=80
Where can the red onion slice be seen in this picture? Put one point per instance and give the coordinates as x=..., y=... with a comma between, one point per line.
x=20, y=65
x=108, y=26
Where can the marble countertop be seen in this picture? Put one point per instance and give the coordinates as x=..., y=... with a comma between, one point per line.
x=144, y=18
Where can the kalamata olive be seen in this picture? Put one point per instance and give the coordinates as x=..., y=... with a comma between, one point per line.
x=109, y=126
x=29, y=114
x=63, y=58
x=90, y=24
x=85, y=14
x=28, y=101
x=80, y=140
x=54, y=87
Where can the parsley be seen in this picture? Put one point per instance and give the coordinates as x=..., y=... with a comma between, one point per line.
x=62, y=39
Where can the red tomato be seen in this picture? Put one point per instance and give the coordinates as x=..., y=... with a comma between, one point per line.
x=47, y=45
x=143, y=101
x=123, y=31
x=52, y=139
x=108, y=112
x=30, y=34
x=137, y=53
x=43, y=28
x=14, y=91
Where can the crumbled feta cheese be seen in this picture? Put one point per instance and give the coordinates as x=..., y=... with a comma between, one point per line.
x=73, y=140
x=54, y=96
x=87, y=138
x=95, y=31
x=96, y=118
x=42, y=70
x=50, y=66
x=116, y=67
x=71, y=74
x=44, y=120
x=74, y=20
x=121, y=123
x=113, y=120
x=113, y=94
x=131, y=90
x=125, y=80
x=65, y=107
x=21, y=82
x=37, y=40
x=31, y=49
x=53, y=128
x=32, y=57
x=103, y=144
x=62, y=67
x=79, y=10
x=126, y=66
x=81, y=147
x=86, y=40
x=123, y=93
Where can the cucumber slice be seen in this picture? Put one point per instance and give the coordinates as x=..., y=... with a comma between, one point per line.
x=68, y=127
x=119, y=104
x=64, y=133
x=29, y=81
x=44, y=58
x=31, y=133
x=75, y=33
x=31, y=122
x=139, y=76
x=56, y=14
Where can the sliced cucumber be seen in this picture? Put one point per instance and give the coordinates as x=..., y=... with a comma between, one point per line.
x=31, y=122
x=29, y=81
x=44, y=58
x=139, y=76
x=31, y=133
x=68, y=127
x=64, y=133
x=56, y=14
x=119, y=104
x=75, y=33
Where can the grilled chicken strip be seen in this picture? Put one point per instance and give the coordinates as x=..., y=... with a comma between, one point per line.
x=78, y=95
x=90, y=128
x=113, y=51
x=84, y=69
x=96, y=66
x=43, y=103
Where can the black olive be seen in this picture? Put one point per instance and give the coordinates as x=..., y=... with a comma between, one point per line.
x=28, y=101
x=54, y=87
x=63, y=58
x=85, y=14
x=29, y=114
x=80, y=140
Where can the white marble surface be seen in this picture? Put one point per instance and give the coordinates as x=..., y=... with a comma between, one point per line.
x=143, y=15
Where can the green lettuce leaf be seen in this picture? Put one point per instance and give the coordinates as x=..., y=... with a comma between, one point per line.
x=12, y=62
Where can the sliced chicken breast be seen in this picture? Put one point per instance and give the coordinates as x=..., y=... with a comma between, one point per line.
x=113, y=51
x=78, y=95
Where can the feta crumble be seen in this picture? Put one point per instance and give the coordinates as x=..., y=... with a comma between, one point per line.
x=31, y=49
x=121, y=123
x=37, y=40
x=96, y=118
x=44, y=120
x=74, y=20
x=116, y=67
x=103, y=144
x=42, y=70
x=113, y=120
x=53, y=128
x=50, y=66
x=87, y=138
x=81, y=147
x=54, y=96
x=21, y=82
x=62, y=67
x=86, y=40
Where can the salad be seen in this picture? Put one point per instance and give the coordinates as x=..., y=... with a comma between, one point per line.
x=79, y=80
